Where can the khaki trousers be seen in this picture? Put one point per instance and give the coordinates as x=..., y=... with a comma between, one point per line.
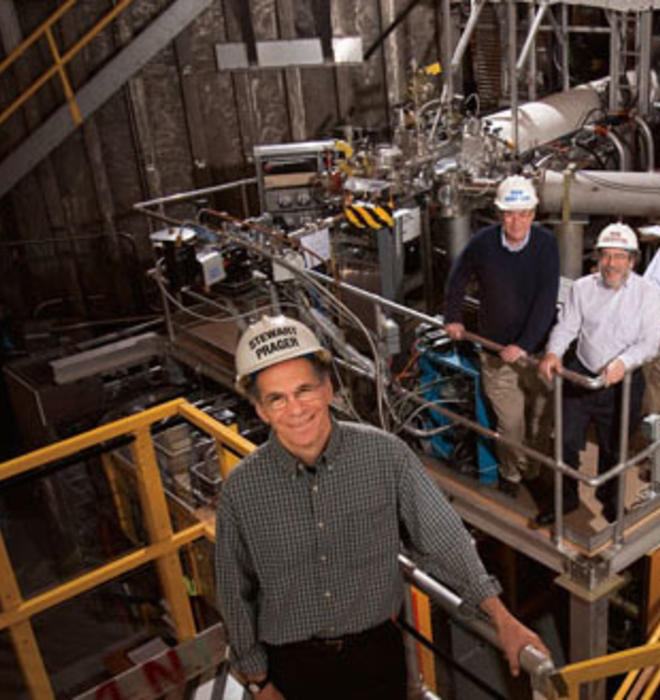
x=651, y=403
x=521, y=402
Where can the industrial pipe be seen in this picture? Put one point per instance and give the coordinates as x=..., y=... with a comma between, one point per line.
x=545, y=120
x=603, y=192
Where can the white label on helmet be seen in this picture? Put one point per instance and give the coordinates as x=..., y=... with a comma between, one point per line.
x=270, y=334
x=276, y=346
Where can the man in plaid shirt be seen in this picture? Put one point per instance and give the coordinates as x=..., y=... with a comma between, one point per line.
x=308, y=533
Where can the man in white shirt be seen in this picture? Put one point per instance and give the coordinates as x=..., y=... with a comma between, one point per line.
x=614, y=315
x=651, y=402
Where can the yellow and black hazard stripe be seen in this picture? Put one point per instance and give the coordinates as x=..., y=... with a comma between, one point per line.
x=374, y=216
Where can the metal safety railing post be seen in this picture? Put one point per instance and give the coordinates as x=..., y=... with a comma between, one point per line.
x=21, y=633
x=159, y=527
x=559, y=458
x=624, y=427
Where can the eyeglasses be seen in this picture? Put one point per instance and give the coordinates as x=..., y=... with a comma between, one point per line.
x=307, y=393
x=615, y=256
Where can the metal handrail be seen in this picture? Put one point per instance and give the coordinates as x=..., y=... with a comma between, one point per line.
x=557, y=464
x=540, y=667
x=59, y=60
x=190, y=194
x=546, y=679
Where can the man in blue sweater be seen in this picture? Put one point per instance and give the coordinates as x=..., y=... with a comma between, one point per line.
x=516, y=266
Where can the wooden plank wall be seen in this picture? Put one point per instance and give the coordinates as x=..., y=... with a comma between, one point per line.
x=70, y=244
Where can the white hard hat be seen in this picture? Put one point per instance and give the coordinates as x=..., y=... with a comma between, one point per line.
x=274, y=339
x=516, y=193
x=618, y=236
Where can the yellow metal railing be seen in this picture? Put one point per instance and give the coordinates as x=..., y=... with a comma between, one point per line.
x=651, y=683
x=163, y=550
x=613, y=664
x=163, y=547
x=60, y=60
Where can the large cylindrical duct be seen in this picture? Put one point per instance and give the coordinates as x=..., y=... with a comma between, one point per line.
x=602, y=192
x=548, y=119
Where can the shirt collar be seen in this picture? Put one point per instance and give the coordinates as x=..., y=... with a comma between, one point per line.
x=518, y=248
x=291, y=464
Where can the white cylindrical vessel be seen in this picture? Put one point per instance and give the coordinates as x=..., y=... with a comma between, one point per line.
x=547, y=119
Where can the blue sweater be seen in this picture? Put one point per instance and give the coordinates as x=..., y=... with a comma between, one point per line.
x=517, y=290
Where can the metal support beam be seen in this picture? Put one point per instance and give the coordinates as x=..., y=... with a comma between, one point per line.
x=614, y=21
x=531, y=35
x=448, y=87
x=463, y=42
x=565, y=57
x=644, y=36
x=531, y=65
x=588, y=624
x=512, y=29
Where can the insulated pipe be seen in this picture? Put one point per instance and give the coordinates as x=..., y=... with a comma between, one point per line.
x=547, y=119
x=603, y=192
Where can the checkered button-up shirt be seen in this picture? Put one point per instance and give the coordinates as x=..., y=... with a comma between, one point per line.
x=305, y=553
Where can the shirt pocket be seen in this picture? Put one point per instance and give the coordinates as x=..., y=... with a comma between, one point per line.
x=367, y=533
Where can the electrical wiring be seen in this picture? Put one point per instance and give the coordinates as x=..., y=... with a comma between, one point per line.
x=312, y=294
x=341, y=308
x=345, y=394
x=206, y=317
x=428, y=405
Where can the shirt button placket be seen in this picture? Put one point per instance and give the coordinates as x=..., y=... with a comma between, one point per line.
x=321, y=530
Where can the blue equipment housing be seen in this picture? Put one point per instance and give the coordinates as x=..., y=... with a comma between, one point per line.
x=442, y=371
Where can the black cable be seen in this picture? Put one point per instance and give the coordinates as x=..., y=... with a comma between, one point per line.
x=396, y=22
x=449, y=660
x=592, y=152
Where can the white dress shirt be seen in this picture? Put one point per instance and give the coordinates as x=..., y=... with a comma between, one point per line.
x=609, y=323
x=652, y=272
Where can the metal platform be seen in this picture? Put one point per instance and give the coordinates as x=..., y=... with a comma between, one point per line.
x=587, y=536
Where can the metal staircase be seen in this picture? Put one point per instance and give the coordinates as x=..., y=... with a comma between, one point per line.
x=96, y=91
